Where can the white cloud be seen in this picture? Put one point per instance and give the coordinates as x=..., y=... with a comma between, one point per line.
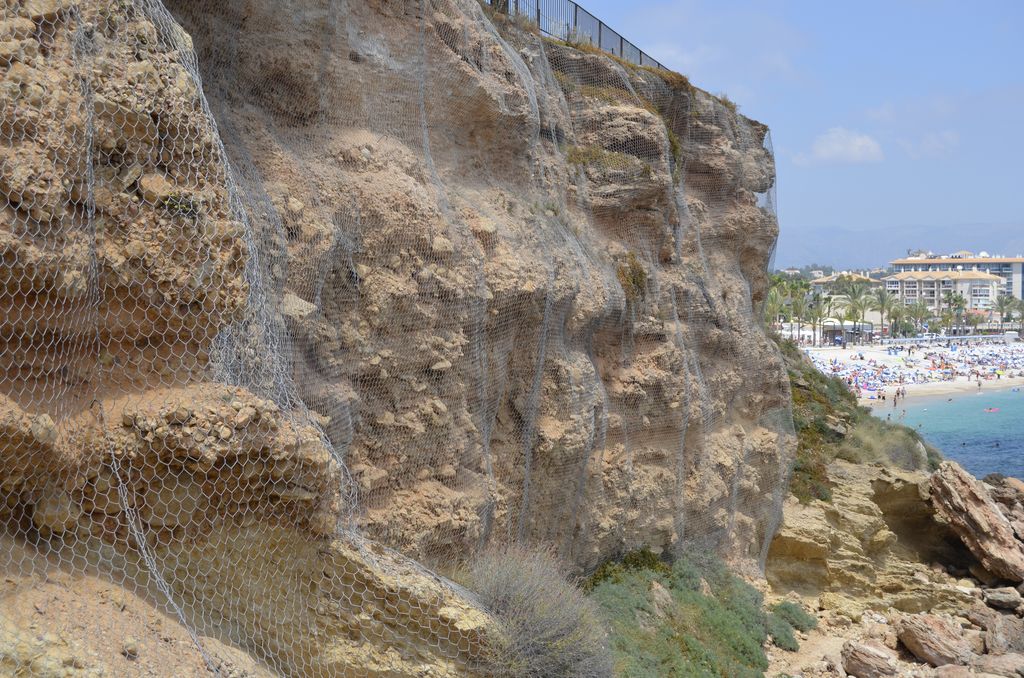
x=931, y=145
x=839, y=145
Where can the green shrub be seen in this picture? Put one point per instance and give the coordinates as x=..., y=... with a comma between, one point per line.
x=609, y=95
x=690, y=634
x=795, y=616
x=820, y=401
x=674, y=145
x=613, y=570
x=781, y=633
x=548, y=626
x=727, y=102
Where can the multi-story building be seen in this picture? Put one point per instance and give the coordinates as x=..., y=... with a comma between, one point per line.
x=825, y=285
x=979, y=289
x=1009, y=269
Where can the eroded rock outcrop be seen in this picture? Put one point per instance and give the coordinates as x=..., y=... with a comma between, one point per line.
x=384, y=269
x=934, y=640
x=522, y=278
x=897, y=583
x=871, y=547
x=868, y=660
x=965, y=504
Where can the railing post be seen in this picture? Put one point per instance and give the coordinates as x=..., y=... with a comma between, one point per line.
x=575, y=20
x=622, y=42
x=600, y=25
x=539, y=24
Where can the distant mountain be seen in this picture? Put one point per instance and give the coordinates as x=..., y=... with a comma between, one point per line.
x=857, y=247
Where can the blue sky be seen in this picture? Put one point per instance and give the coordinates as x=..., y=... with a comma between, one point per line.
x=896, y=124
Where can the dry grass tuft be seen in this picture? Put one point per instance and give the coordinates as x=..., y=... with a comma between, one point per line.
x=551, y=628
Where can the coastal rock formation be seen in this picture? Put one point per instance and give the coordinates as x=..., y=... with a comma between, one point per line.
x=898, y=588
x=969, y=509
x=520, y=280
x=284, y=289
x=934, y=640
x=868, y=660
x=1009, y=495
x=871, y=547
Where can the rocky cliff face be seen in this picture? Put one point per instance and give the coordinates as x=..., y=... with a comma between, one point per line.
x=407, y=268
x=520, y=278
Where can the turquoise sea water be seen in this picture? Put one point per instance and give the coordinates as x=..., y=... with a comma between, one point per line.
x=958, y=425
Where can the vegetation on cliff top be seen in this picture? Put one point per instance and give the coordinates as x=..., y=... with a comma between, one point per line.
x=831, y=425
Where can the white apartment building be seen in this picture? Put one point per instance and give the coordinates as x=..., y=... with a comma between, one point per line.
x=1009, y=269
x=978, y=288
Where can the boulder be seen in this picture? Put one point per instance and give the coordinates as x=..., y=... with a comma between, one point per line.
x=1008, y=665
x=1003, y=632
x=934, y=640
x=47, y=10
x=156, y=189
x=969, y=509
x=953, y=671
x=661, y=599
x=868, y=660
x=1007, y=598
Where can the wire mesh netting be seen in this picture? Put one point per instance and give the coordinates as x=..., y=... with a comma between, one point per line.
x=306, y=304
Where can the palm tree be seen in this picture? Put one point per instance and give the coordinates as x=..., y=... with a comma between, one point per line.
x=958, y=306
x=1004, y=306
x=798, y=309
x=773, y=305
x=946, y=319
x=896, y=315
x=856, y=303
x=919, y=313
x=815, y=314
x=845, y=286
x=955, y=303
x=974, y=319
x=883, y=302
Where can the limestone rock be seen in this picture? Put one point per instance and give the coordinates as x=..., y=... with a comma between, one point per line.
x=47, y=10
x=155, y=188
x=934, y=640
x=296, y=308
x=17, y=28
x=868, y=660
x=55, y=511
x=967, y=506
x=865, y=549
x=1007, y=665
x=661, y=599
x=174, y=503
x=416, y=279
x=953, y=671
x=1005, y=598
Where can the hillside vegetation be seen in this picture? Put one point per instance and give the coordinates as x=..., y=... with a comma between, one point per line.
x=831, y=425
x=690, y=618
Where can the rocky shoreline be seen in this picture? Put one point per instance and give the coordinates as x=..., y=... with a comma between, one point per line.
x=911, y=574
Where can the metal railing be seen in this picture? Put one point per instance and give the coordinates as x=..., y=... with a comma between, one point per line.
x=566, y=20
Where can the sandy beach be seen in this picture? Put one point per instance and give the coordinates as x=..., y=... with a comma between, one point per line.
x=880, y=371
x=960, y=386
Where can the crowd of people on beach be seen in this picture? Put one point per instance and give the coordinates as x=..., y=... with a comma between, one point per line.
x=872, y=374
